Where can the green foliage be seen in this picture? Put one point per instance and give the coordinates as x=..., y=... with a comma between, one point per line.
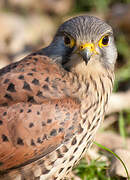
x=123, y=46
x=96, y=5
x=96, y=170
x=113, y=153
x=87, y=5
x=122, y=126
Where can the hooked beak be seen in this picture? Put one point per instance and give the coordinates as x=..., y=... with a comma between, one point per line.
x=86, y=51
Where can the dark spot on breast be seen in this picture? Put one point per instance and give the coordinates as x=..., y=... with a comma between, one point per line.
x=1, y=163
x=82, y=152
x=43, y=124
x=62, y=123
x=39, y=140
x=59, y=154
x=80, y=129
x=47, y=79
x=34, y=54
x=35, y=59
x=49, y=121
x=68, y=168
x=21, y=77
x=84, y=120
x=75, y=149
x=11, y=87
x=6, y=81
x=47, y=70
x=61, y=170
x=74, y=141
x=67, y=116
x=72, y=157
x=38, y=113
x=4, y=138
x=29, y=110
x=5, y=113
x=40, y=162
x=54, y=86
x=30, y=57
x=35, y=81
x=103, y=88
x=45, y=87
x=30, y=74
x=93, y=127
x=60, y=130
x=31, y=99
x=26, y=86
x=86, y=110
x=5, y=104
x=39, y=94
x=75, y=116
x=65, y=149
x=44, y=137
x=81, y=141
x=68, y=136
x=34, y=70
x=56, y=105
x=53, y=132
x=87, y=87
x=21, y=110
x=31, y=125
x=71, y=127
x=20, y=141
x=45, y=171
x=32, y=143
x=1, y=122
x=8, y=96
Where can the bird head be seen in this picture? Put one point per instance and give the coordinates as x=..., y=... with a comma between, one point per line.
x=83, y=40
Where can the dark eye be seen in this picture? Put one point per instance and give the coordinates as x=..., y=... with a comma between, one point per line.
x=67, y=40
x=105, y=40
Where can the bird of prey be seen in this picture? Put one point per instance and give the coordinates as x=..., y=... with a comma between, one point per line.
x=53, y=101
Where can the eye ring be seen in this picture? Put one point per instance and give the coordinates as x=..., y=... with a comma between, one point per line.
x=104, y=41
x=69, y=41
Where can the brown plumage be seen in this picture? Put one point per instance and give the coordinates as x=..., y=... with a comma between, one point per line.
x=52, y=101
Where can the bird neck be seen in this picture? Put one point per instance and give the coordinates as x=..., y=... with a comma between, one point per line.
x=93, y=84
x=93, y=90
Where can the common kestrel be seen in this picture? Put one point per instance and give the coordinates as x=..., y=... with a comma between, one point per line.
x=53, y=101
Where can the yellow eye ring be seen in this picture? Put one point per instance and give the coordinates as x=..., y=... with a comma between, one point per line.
x=69, y=41
x=104, y=41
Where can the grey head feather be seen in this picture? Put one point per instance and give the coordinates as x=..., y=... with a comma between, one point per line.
x=85, y=28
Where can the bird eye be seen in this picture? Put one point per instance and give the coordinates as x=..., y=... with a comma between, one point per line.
x=104, y=41
x=69, y=41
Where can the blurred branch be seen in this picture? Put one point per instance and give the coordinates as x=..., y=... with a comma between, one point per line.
x=119, y=102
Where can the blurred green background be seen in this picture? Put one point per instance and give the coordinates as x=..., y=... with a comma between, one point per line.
x=27, y=25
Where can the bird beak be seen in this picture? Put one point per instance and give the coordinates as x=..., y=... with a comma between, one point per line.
x=86, y=51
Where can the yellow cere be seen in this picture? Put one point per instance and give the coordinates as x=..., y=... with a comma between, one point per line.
x=89, y=46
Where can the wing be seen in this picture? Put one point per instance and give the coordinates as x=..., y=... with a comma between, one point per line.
x=36, y=116
x=31, y=131
x=33, y=80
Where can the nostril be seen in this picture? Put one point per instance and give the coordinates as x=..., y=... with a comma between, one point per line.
x=81, y=47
